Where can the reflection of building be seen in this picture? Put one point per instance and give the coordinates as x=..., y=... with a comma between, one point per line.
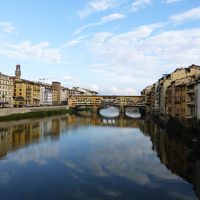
x=6, y=91
x=5, y=140
x=20, y=134
x=177, y=154
x=197, y=177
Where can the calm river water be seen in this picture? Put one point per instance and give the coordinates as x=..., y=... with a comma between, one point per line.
x=90, y=157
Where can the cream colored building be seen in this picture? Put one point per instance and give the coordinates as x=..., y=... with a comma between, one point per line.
x=45, y=95
x=6, y=91
x=166, y=81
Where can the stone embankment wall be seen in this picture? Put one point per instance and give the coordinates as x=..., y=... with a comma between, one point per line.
x=10, y=111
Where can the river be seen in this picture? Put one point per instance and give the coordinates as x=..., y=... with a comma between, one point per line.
x=92, y=157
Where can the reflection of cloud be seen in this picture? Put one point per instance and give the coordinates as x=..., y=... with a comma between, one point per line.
x=180, y=196
x=36, y=153
x=72, y=165
x=96, y=157
x=4, y=178
x=127, y=154
x=112, y=193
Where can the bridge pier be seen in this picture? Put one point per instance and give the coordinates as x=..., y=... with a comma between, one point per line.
x=121, y=111
x=95, y=109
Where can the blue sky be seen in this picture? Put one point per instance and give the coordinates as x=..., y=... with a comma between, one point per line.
x=112, y=46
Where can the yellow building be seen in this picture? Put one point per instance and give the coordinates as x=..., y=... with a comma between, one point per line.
x=181, y=98
x=56, y=90
x=26, y=93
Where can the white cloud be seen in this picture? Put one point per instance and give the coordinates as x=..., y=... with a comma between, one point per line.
x=105, y=19
x=96, y=6
x=66, y=78
x=121, y=91
x=75, y=41
x=26, y=50
x=172, y=1
x=7, y=27
x=139, y=57
x=137, y=4
x=94, y=87
x=193, y=14
x=112, y=17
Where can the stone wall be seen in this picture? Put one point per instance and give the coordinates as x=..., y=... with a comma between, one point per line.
x=10, y=111
x=198, y=100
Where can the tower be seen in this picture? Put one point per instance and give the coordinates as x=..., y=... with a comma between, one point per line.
x=18, y=71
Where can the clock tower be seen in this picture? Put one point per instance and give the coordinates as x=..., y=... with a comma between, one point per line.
x=18, y=71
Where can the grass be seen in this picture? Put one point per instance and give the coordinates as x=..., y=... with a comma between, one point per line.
x=37, y=114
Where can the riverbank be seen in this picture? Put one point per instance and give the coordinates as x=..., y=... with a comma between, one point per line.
x=8, y=114
x=175, y=125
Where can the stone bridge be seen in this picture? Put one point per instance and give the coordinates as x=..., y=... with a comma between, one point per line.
x=98, y=102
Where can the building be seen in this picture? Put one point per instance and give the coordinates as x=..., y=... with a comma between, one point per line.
x=148, y=97
x=198, y=99
x=64, y=95
x=6, y=91
x=182, y=98
x=26, y=93
x=56, y=88
x=174, y=94
x=163, y=83
x=95, y=101
x=45, y=95
x=84, y=91
x=73, y=92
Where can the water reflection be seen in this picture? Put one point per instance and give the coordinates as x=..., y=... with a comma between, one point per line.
x=95, y=158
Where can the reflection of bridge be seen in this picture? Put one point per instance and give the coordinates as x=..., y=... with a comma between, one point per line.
x=95, y=120
x=98, y=102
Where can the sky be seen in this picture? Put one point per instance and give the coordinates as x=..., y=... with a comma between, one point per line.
x=111, y=46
